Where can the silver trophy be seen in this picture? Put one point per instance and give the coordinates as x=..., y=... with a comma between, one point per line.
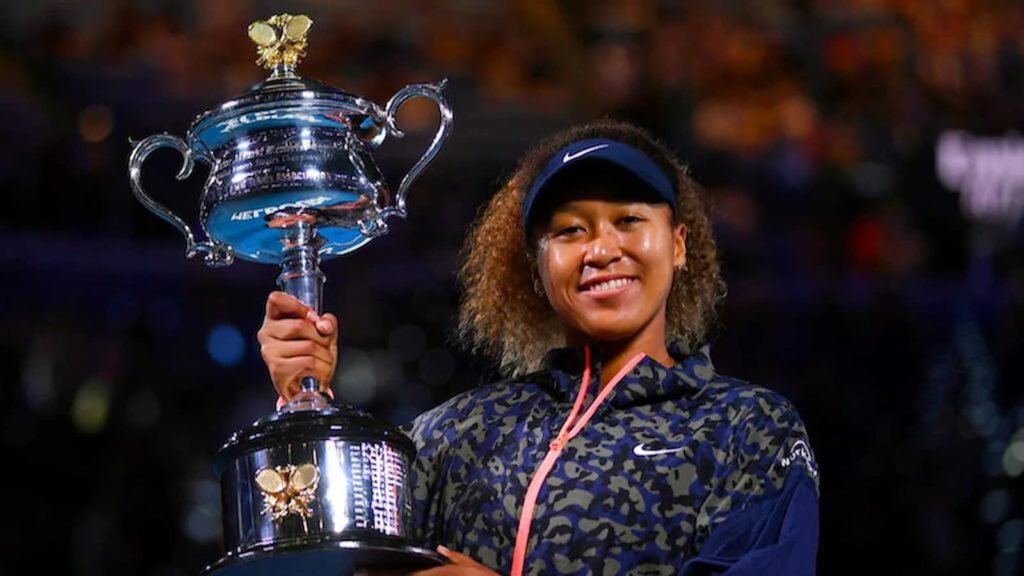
x=318, y=486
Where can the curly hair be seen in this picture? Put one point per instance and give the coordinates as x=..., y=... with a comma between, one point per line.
x=503, y=316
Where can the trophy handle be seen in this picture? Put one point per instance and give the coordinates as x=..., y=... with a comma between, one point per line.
x=433, y=92
x=215, y=253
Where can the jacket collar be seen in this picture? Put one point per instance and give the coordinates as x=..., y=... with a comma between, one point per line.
x=647, y=382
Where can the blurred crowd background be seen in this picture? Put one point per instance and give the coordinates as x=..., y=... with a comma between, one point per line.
x=871, y=281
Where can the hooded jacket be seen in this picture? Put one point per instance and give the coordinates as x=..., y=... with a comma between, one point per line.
x=678, y=471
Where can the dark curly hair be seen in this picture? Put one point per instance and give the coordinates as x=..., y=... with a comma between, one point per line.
x=501, y=314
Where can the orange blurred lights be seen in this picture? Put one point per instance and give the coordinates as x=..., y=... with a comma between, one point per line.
x=95, y=123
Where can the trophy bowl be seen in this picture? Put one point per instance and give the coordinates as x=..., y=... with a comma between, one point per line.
x=317, y=487
x=288, y=146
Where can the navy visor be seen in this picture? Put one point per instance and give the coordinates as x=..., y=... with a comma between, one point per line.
x=600, y=149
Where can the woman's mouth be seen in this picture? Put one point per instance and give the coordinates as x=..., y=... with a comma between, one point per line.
x=607, y=288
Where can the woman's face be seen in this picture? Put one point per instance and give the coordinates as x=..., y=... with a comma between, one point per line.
x=606, y=261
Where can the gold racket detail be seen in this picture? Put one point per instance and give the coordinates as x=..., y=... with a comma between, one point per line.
x=280, y=39
x=288, y=490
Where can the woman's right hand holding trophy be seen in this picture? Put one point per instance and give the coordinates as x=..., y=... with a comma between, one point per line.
x=295, y=343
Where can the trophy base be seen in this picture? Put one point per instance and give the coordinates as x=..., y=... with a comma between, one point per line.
x=337, y=558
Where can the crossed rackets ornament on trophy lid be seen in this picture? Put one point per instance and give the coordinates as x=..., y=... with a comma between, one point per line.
x=317, y=487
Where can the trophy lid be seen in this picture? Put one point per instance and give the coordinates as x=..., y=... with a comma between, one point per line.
x=285, y=98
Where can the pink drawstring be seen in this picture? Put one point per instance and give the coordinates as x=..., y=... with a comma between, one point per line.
x=570, y=428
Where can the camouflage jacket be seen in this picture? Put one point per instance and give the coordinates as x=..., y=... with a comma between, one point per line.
x=680, y=471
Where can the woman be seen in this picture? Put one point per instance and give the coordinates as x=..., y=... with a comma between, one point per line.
x=592, y=279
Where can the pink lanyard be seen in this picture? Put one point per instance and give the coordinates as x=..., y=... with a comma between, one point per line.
x=570, y=428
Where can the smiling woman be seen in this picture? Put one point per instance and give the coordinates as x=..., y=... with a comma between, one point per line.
x=504, y=315
x=606, y=258
x=614, y=447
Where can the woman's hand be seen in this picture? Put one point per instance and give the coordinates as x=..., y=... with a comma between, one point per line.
x=296, y=343
x=461, y=565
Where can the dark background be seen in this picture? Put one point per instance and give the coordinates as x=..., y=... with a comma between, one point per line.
x=860, y=287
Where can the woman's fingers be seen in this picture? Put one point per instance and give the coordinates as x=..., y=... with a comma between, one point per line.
x=461, y=565
x=295, y=330
x=286, y=349
x=460, y=559
x=327, y=324
x=281, y=305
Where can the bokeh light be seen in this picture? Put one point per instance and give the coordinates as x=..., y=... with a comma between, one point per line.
x=407, y=341
x=355, y=378
x=91, y=405
x=225, y=345
x=436, y=366
x=95, y=123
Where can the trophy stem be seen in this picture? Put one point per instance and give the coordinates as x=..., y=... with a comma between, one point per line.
x=283, y=71
x=301, y=277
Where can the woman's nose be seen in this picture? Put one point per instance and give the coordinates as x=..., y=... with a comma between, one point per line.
x=602, y=250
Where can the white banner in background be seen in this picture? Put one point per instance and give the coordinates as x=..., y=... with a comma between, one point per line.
x=987, y=171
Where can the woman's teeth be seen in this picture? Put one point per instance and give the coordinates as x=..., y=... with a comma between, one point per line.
x=609, y=285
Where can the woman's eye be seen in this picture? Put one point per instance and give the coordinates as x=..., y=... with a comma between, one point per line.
x=631, y=219
x=568, y=230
